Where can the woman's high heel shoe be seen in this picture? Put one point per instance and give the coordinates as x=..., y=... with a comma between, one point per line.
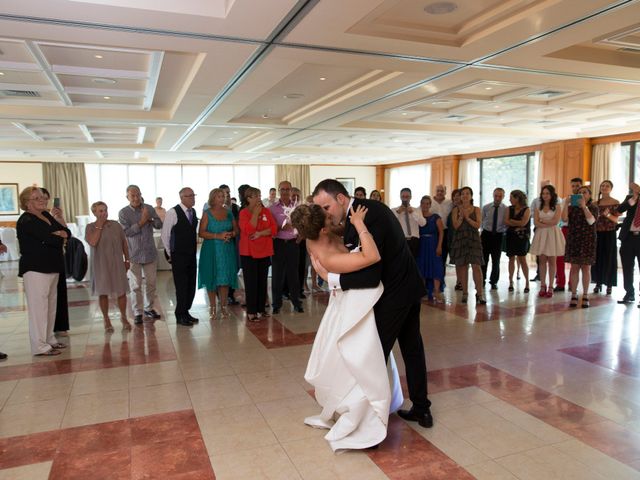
x=480, y=300
x=212, y=312
x=543, y=292
x=608, y=290
x=511, y=286
x=574, y=300
x=224, y=313
x=597, y=288
x=585, y=301
x=526, y=289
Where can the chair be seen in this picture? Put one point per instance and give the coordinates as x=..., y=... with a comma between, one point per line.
x=9, y=238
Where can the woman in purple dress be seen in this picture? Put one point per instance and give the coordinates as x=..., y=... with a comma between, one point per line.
x=429, y=257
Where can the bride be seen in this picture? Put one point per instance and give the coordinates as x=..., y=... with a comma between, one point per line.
x=346, y=365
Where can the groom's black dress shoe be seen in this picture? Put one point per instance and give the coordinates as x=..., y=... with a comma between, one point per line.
x=627, y=299
x=424, y=419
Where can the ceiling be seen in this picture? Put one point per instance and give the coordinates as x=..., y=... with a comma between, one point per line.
x=361, y=82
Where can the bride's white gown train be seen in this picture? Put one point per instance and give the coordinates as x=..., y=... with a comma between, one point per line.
x=348, y=371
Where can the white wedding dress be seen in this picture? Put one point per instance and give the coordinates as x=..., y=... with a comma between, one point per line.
x=348, y=371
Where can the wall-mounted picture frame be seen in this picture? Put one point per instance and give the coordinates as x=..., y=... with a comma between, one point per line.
x=349, y=184
x=9, y=199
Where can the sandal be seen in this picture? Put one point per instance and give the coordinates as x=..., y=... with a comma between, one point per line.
x=126, y=325
x=526, y=289
x=465, y=297
x=585, y=301
x=511, y=289
x=574, y=301
x=480, y=300
x=59, y=346
x=253, y=318
x=597, y=289
x=48, y=353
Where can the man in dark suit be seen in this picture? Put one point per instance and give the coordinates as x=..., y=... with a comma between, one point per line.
x=398, y=310
x=179, y=236
x=630, y=241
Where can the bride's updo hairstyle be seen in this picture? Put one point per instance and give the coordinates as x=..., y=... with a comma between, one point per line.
x=308, y=220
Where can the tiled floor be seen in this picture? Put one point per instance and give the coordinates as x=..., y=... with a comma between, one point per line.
x=522, y=388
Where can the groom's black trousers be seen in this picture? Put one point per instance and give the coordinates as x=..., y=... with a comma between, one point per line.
x=403, y=322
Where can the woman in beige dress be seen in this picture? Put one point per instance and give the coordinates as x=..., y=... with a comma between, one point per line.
x=109, y=262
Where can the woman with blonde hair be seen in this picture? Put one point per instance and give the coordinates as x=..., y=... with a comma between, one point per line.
x=217, y=268
x=109, y=263
x=41, y=239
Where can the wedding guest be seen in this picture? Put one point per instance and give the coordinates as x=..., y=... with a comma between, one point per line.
x=455, y=201
x=630, y=241
x=493, y=229
x=548, y=241
x=138, y=221
x=411, y=220
x=375, y=195
x=575, y=185
x=180, y=240
x=217, y=268
x=235, y=210
x=466, y=248
x=518, y=221
x=580, y=251
x=61, y=325
x=605, y=270
x=286, y=252
x=429, y=257
x=3, y=249
x=109, y=263
x=161, y=212
x=257, y=228
x=360, y=192
x=41, y=240
x=270, y=200
x=443, y=206
x=303, y=256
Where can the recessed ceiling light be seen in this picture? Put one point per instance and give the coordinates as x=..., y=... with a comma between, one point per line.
x=107, y=98
x=97, y=56
x=235, y=133
x=323, y=78
x=440, y=8
x=109, y=81
x=496, y=106
x=488, y=88
x=404, y=113
x=440, y=102
x=265, y=115
x=293, y=96
x=1, y=73
x=225, y=138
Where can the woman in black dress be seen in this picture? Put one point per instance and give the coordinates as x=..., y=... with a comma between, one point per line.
x=518, y=221
x=605, y=270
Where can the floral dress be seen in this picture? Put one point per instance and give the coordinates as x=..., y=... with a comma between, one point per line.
x=581, y=237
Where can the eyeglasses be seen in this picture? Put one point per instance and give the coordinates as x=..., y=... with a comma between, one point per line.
x=192, y=195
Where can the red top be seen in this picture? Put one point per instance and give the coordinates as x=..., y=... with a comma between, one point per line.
x=261, y=247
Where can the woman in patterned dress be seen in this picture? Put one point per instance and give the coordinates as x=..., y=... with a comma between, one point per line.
x=217, y=268
x=466, y=247
x=581, y=243
x=605, y=270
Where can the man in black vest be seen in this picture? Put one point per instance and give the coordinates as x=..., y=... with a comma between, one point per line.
x=180, y=239
x=630, y=241
x=398, y=309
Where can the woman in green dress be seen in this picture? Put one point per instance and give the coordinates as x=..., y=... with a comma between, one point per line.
x=217, y=268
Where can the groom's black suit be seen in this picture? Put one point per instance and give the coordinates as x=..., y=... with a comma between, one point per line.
x=398, y=310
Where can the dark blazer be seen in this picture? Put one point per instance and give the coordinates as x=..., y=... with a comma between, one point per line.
x=631, y=212
x=396, y=270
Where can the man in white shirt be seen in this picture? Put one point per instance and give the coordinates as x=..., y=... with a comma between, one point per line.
x=179, y=237
x=442, y=206
x=493, y=229
x=411, y=220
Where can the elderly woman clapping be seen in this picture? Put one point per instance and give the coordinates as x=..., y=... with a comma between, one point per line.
x=109, y=262
x=41, y=238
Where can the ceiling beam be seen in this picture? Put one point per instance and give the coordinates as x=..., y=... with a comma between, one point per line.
x=41, y=60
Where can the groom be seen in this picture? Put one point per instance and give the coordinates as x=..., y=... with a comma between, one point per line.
x=398, y=310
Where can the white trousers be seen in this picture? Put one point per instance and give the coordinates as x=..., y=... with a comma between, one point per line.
x=41, y=290
x=135, y=281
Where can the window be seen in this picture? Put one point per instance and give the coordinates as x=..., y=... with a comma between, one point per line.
x=631, y=164
x=415, y=177
x=108, y=182
x=513, y=172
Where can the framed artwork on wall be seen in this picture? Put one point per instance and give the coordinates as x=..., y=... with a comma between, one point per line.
x=349, y=184
x=9, y=199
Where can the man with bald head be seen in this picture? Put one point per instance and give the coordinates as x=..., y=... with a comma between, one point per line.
x=138, y=221
x=180, y=240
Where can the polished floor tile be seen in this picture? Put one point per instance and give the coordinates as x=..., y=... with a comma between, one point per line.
x=522, y=388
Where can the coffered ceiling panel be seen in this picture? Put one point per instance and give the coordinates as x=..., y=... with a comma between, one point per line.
x=286, y=81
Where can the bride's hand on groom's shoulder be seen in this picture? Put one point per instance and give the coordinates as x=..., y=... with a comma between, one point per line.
x=358, y=214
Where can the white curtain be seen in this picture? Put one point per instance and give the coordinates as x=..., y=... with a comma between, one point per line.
x=298, y=175
x=415, y=177
x=469, y=175
x=605, y=165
